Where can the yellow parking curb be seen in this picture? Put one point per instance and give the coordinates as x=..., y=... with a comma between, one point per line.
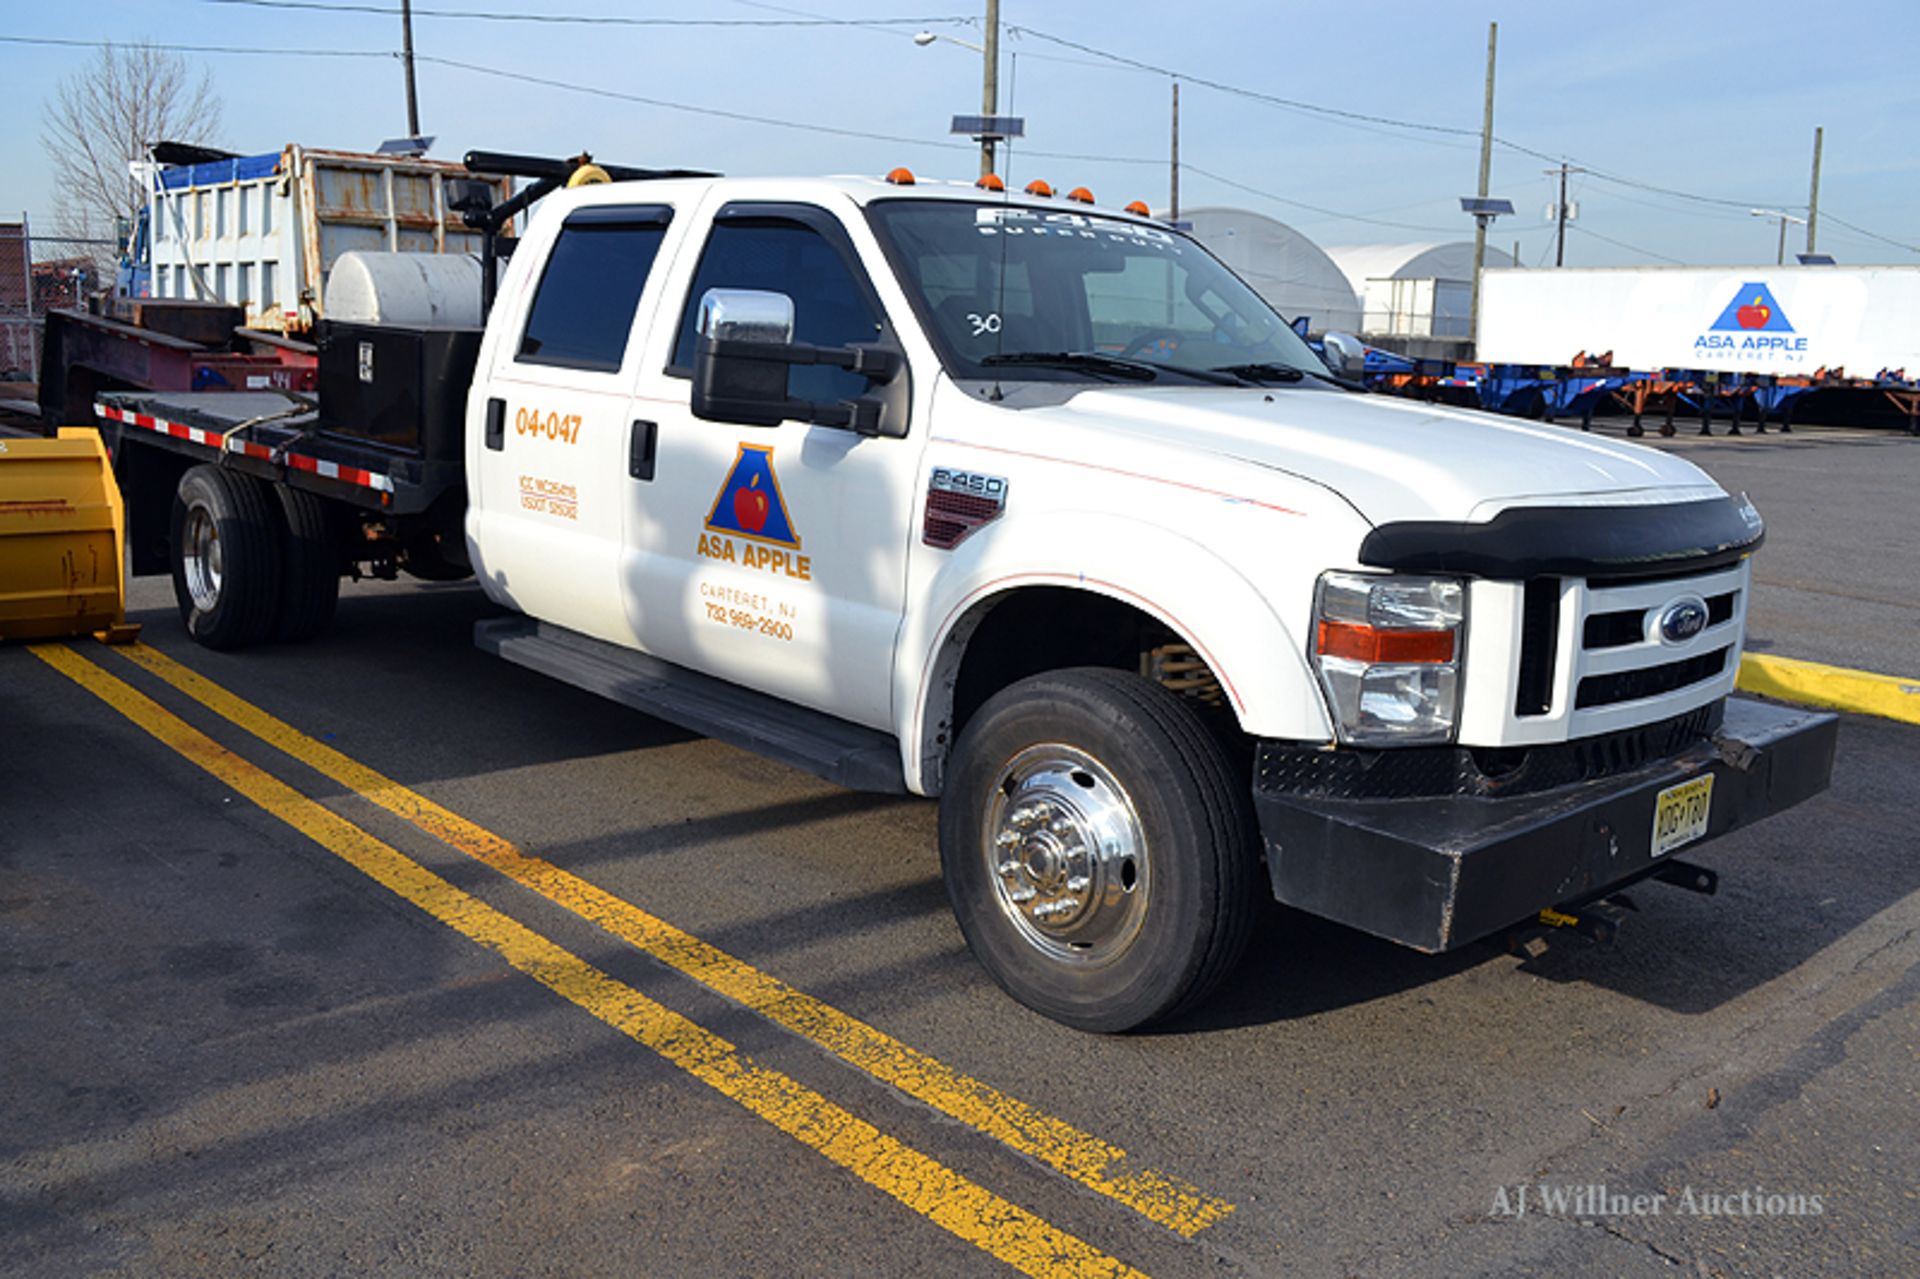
x=1834, y=687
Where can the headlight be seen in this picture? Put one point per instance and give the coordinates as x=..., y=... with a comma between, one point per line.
x=1388, y=653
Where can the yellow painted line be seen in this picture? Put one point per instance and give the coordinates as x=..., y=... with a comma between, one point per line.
x=1087, y=1159
x=994, y=1225
x=1834, y=687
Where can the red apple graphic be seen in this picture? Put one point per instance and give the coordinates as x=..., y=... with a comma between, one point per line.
x=750, y=506
x=1754, y=315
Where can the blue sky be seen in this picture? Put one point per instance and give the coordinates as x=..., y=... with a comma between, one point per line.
x=1719, y=100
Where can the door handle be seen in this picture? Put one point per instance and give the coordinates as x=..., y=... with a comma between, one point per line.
x=496, y=424
x=640, y=446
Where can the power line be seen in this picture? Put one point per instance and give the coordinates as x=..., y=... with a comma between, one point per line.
x=1858, y=230
x=199, y=48
x=1291, y=104
x=1314, y=208
x=583, y=19
x=1622, y=244
x=666, y=104
x=1359, y=118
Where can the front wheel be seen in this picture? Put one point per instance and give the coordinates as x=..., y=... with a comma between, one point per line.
x=1097, y=849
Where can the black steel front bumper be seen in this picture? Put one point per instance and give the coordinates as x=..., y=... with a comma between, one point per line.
x=1438, y=873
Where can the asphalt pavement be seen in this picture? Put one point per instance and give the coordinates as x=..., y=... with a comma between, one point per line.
x=458, y=1012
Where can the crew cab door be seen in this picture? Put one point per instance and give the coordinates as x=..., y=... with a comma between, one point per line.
x=774, y=557
x=549, y=468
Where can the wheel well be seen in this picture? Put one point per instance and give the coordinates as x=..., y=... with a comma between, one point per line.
x=1044, y=628
x=148, y=479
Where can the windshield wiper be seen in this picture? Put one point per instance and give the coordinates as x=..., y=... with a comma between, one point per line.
x=1091, y=361
x=1119, y=366
x=1262, y=372
x=1287, y=373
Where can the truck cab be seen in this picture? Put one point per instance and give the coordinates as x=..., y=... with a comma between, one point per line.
x=1035, y=507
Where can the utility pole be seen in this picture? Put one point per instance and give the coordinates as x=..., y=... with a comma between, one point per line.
x=1173, y=185
x=1562, y=212
x=1813, y=196
x=1486, y=173
x=990, y=81
x=406, y=57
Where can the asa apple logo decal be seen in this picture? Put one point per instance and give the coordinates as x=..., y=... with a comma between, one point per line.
x=1754, y=315
x=750, y=506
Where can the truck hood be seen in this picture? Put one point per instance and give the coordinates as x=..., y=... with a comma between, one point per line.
x=1392, y=459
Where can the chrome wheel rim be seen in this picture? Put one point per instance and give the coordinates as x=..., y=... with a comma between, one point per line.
x=1066, y=854
x=202, y=559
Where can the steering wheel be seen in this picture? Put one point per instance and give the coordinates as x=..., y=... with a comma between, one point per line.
x=1158, y=342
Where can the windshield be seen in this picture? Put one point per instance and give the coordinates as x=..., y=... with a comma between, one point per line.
x=996, y=282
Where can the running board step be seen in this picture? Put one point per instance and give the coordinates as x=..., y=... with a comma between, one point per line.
x=843, y=753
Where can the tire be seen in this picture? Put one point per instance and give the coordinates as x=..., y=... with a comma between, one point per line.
x=310, y=566
x=1106, y=941
x=224, y=541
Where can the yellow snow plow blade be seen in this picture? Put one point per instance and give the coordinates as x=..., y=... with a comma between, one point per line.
x=62, y=538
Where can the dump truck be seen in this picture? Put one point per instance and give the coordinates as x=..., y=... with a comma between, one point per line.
x=226, y=268
x=1029, y=506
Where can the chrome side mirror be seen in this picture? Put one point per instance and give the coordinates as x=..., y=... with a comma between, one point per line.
x=746, y=315
x=1346, y=354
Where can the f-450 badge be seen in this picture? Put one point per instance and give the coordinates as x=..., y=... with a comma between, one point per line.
x=958, y=502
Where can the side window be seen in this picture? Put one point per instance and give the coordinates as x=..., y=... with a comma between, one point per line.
x=829, y=306
x=583, y=308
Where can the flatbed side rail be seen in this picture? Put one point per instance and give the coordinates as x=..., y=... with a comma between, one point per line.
x=284, y=447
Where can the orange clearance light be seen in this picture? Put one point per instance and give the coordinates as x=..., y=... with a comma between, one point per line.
x=990, y=182
x=1039, y=188
x=901, y=177
x=1370, y=644
x=1140, y=207
x=1081, y=194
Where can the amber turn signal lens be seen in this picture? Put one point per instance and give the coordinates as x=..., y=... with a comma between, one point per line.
x=1372, y=645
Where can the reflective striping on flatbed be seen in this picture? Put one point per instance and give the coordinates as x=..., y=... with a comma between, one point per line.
x=1094, y=1163
x=969, y=1211
x=230, y=443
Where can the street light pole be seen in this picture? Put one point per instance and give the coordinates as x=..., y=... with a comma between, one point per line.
x=990, y=82
x=1780, y=258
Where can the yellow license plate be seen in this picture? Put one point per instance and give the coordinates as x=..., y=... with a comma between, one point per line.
x=1680, y=814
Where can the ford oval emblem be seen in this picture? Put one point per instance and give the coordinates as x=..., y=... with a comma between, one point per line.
x=1683, y=619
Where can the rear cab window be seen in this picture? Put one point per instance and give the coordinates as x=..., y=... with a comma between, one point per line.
x=583, y=308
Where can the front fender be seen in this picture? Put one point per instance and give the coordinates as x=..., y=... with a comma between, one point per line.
x=1194, y=591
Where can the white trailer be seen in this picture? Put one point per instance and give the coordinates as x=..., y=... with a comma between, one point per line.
x=1790, y=321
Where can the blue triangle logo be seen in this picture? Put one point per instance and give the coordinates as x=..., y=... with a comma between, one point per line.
x=749, y=503
x=1753, y=310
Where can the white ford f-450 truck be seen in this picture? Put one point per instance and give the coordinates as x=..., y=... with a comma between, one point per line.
x=1034, y=507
